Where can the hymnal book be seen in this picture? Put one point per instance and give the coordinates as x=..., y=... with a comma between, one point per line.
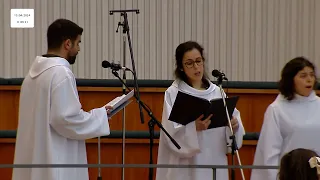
x=119, y=103
x=188, y=108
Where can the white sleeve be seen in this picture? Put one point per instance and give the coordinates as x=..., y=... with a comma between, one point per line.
x=185, y=136
x=238, y=134
x=268, y=147
x=68, y=118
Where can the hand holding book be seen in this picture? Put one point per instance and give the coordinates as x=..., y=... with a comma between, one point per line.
x=234, y=124
x=188, y=108
x=108, y=108
x=203, y=124
x=118, y=103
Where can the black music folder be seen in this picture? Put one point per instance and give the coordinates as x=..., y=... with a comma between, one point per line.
x=188, y=108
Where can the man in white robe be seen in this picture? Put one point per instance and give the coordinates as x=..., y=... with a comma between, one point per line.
x=208, y=147
x=286, y=126
x=52, y=126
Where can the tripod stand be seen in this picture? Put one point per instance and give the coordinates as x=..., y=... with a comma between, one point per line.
x=125, y=27
x=234, y=146
x=153, y=121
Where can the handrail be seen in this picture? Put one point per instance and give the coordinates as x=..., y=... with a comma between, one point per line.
x=134, y=166
x=129, y=134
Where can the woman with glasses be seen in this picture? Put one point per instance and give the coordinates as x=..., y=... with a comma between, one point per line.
x=199, y=145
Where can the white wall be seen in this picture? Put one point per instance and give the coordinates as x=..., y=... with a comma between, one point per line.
x=250, y=40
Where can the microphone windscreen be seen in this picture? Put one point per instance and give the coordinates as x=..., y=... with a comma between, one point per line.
x=106, y=64
x=215, y=73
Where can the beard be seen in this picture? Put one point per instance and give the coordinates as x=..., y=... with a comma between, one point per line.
x=72, y=59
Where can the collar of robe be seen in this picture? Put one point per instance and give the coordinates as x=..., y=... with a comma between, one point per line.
x=313, y=96
x=41, y=64
x=298, y=98
x=184, y=87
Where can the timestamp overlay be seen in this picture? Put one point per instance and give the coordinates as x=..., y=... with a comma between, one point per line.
x=22, y=18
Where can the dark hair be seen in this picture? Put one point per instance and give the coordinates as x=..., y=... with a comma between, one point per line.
x=290, y=70
x=61, y=30
x=180, y=51
x=295, y=165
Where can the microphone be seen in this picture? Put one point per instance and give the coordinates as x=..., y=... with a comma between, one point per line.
x=113, y=66
x=218, y=74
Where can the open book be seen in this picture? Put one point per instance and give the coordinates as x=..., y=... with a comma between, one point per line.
x=120, y=102
x=188, y=108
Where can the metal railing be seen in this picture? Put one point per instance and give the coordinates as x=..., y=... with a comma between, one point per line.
x=213, y=167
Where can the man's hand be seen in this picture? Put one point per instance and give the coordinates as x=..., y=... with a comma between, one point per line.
x=108, y=108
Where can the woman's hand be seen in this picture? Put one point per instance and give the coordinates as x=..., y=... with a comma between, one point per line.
x=234, y=124
x=203, y=124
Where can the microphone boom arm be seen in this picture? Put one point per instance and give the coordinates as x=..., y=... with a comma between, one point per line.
x=148, y=110
x=153, y=121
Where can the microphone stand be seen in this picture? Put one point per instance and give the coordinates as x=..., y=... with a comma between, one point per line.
x=99, y=169
x=152, y=122
x=123, y=92
x=125, y=25
x=234, y=146
x=124, y=113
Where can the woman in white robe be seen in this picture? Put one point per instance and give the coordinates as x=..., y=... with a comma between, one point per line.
x=292, y=121
x=199, y=145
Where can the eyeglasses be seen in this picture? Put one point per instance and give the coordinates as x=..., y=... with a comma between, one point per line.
x=191, y=63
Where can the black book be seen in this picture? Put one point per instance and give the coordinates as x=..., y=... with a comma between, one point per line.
x=188, y=108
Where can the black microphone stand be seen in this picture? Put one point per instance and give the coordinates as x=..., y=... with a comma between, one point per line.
x=123, y=92
x=99, y=161
x=125, y=25
x=152, y=122
x=234, y=146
